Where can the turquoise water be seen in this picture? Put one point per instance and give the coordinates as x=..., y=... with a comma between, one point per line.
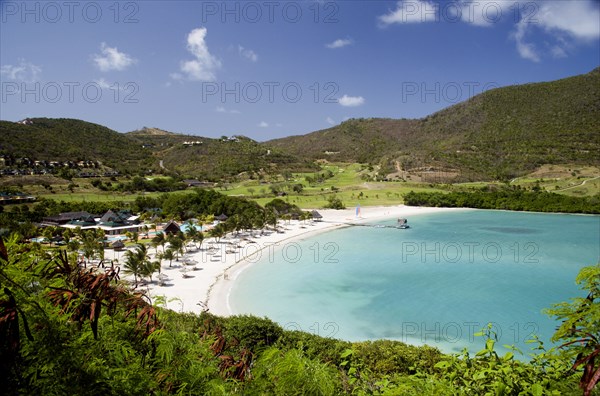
x=436, y=283
x=184, y=227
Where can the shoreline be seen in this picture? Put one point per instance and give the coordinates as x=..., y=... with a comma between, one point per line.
x=209, y=288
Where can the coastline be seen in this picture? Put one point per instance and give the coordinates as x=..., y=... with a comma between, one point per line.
x=210, y=286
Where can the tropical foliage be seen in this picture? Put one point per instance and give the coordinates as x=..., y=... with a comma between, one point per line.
x=65, y=329
x=506, y=198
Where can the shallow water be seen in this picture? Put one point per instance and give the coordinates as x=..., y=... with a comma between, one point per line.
x=436, y=283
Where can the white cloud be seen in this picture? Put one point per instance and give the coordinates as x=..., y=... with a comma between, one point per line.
x=351, y=101
x=204, y=66
x=580, y=19
x=480, y=13
x=416, y=11
x=247, y=53
x=558, y=52
x=23, y=72
x=339, y=43
x=221, y=109
x=263, y=124
x=112, y=59
x=526, y=50
x=104, y=84
x=568, y=23
x=565, y=23
x=330, y=121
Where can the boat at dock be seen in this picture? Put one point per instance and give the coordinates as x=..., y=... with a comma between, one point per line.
x=402, y=224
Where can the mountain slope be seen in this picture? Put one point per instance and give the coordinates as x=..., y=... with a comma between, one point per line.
x=70, y=140
x=213, y=159
x=501, y=133
x=189, y=156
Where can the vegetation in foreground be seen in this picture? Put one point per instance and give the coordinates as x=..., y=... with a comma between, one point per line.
x=70, y=330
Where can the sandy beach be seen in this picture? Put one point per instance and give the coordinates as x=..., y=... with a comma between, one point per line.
x=202, y=279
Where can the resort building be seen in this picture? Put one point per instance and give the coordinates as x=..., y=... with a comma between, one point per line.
x=113, y=223
x=171, y=228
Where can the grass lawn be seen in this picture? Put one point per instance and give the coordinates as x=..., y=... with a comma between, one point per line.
x=346, y=183
x=345, y=180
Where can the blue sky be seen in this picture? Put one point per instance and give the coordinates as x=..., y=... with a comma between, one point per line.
x=269, y=69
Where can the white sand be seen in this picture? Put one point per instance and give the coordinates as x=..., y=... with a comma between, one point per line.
x=210, y=284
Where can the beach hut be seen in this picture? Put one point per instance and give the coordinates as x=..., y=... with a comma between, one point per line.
x=117, y=245
x=316, y=216
x=221, y=217
x=171, y=228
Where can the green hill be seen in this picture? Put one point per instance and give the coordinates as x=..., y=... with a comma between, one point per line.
x=214, y=159
x=501, y=133
x=70, y=140
x=188, y=156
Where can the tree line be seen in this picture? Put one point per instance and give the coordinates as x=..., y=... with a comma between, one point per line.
x=508, y=199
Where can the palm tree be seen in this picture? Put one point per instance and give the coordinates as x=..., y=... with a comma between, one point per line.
x=176, y=245
x=287, y=218
x=89, y=247
x=67, y=235
x=198, y=239
x=149, y=268
x=191, y=232
x=73, y=245
x=218, y=232
x=136, y=262
x=159, y=239
x=234, y=223
x=305, y=216
x=259, y=221
x=48, y=234
x=271, y=218
x=132, y=265
x=168, y=255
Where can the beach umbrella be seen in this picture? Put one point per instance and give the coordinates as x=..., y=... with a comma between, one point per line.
x=118, y=244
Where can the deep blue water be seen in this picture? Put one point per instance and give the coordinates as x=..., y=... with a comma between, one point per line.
x=436, y=283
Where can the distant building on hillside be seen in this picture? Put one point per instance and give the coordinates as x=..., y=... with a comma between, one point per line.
x=192, y=143
x=17, y=198
x=193, y=183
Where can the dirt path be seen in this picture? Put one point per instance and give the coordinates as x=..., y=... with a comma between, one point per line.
x=579, y=185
